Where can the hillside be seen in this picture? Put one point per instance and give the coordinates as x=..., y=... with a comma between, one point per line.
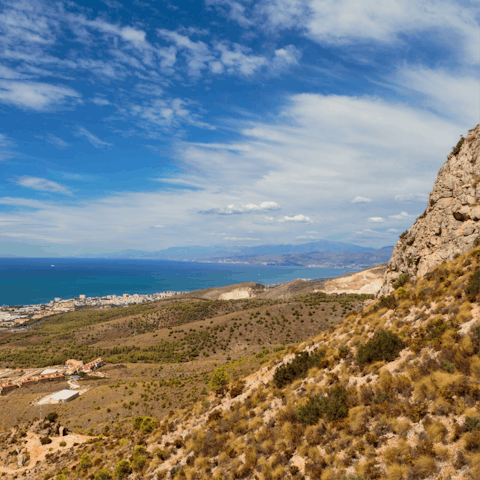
x=358, y=403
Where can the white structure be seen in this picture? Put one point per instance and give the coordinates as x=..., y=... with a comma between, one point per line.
x=63, y=396
x=81, y=297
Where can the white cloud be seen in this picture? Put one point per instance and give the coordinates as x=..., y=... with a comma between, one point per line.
x=41, y=184
x=411, y=197
x=430, y=85
x=361, y=200
x=240, y=209
x=376, y=219
x=393, y=230
x=296, y=218
x=36, y=96
x=343, y=22
x=57, y=142
x=94, y=140
x=401, y=216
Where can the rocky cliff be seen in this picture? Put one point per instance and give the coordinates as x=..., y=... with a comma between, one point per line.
x=451, y=222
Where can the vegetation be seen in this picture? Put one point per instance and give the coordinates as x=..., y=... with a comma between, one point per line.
x=401, y=281
x=332, y=407
x=297, y=368
x=385, y=345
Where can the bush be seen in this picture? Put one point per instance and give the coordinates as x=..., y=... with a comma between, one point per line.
x=298, y=367
x=333, y=407
x=456, y=149
x=102, y=474
x=85, y=461
x=386, y=302
x=476, y=242
x=122, y=469
x=45, y=440
x=51, y=417
x=473, y=287
x=144, y=424
x=63, y=443
x=472, y=424
x=385, y=345
x=401, y=280
x=220, y=378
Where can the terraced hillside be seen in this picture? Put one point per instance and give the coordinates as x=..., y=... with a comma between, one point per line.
x=389, y=391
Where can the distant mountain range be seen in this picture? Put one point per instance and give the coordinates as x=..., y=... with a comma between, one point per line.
x=319, y=253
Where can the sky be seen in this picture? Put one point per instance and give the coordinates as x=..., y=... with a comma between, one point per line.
x=151, y=124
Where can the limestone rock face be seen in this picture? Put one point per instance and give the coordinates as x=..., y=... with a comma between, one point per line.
x=451, y=222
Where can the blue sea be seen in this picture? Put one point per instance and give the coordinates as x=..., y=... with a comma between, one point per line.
x=26, y=281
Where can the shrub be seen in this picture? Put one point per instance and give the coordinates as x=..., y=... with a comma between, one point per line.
x=122, y=469
x=476, y=242
x=220, y=378
x=404, y=234
x=61, y=476
x=401, y=280
x=51, y=417
x=298, y=367
x=473, y=287
x=332, y=407
x=45, y=440
x=63, y=443
x=386, y=302
x=102, y=474
x=237, y=389
x=85, y=461
x=472, y=424
x=385, y=345
x=456, y=149
x=144, y=424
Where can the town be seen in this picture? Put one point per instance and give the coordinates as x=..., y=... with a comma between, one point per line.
x=21, y=316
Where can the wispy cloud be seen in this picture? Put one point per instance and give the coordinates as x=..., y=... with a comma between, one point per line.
x=376, y=219
x=240, y=209
x=93, y=139
x=36, y=96
x=56, y=142
x=41, y=184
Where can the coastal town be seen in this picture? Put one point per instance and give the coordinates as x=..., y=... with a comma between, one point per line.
x=19, y=316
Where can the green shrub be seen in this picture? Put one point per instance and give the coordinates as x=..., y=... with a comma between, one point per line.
x=476, y=242
x=297, y=368
x=385, y=345
x=63, y=443
x=51, y=417
x=402, y=292
x=102, y=474
x=60, y=476
x=144, y=424
x=85, y=461
x=401, y=280
x=220, y=378
x=332, y=407
x=404, y=234
x=473, y=287
x=45, y=440
x=122, y=469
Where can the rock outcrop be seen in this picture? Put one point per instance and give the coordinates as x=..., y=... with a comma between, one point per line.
x=451, y=222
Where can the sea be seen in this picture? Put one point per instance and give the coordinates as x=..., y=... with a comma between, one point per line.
x=27, y=281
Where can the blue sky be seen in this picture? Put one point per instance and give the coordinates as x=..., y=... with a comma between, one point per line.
x=153, y=124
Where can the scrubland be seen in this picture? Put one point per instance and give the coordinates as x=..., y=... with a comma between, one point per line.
x=389, y=389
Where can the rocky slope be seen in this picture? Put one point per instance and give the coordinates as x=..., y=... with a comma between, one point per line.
x=451, y=222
